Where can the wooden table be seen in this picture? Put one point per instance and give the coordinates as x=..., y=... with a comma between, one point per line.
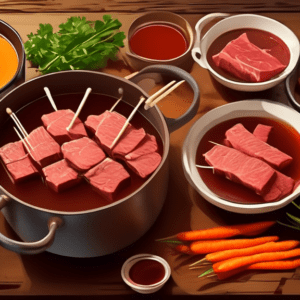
x=184, y=208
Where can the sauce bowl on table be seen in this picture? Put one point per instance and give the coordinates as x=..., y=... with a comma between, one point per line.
x=159, y=38
x=245, y=22
x=225, y=193
x=292, y=85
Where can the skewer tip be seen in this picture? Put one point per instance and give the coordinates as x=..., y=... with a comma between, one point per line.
x=9, y=111
x=120, y=91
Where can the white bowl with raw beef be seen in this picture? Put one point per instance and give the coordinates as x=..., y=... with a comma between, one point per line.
x=205, y=129
x=243, y=22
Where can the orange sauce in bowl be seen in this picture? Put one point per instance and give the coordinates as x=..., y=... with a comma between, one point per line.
x=8, y=62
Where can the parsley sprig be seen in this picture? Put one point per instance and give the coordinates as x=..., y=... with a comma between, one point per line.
x=79, y=44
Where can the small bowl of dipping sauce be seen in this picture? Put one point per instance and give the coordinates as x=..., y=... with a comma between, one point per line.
x=159, y=38
x=145, y=273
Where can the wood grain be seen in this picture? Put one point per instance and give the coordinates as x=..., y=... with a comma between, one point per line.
x=177, y=6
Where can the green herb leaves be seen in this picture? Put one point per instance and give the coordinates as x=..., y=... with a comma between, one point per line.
x=79, y=44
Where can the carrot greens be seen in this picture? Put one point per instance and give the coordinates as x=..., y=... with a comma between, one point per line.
x=79, y=44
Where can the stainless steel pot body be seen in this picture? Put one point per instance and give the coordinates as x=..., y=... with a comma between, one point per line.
x=106, y=229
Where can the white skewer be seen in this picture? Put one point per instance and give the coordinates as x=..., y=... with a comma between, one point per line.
x=216, y=143
x=204, y=167
x=130, y=75
x=159, y=92
x=22, y=140
x=166, y=93
x=113, y=107
x=79, y=108
x=142, y=99
x=47, y=91
x=17, y=122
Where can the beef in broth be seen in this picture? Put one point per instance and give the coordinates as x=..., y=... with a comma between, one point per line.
x=81, y=197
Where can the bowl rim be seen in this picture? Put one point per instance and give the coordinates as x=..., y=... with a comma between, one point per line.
x=189, y=162
x=279, y=78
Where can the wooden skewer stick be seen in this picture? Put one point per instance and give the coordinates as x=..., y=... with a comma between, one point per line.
x=17, y=121
x=47, y=91
x=216, y=143
x=159, y=92
x=204, y=167
x=130, y=75
x=142, y=99
x=166, y=93
x=22, y=140
x=113, y=107
x=79, y=108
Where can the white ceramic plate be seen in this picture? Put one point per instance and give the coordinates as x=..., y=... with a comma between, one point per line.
x=246, y=108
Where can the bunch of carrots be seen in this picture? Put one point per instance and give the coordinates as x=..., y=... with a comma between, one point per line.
x=232, y=256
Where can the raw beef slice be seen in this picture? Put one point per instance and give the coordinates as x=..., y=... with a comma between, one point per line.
x=108, y=178
x=241, y=168
x=12, y=152
x=59, y=176
x=262, y=132
x=57, y=122
x=248, y=62
x=82, y=154
x=243, y=140
x=93, y=121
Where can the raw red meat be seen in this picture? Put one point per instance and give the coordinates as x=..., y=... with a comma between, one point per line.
x=148, y=145
x=282, y=187
x=12, y=152
x=246, y=61
x=262, y=132
x=45, y=150
x=144, y=165
x=82, y=154
x=241, y=168
x=241, y=139
x=57, y=122
x=108, y=178
x=93, y=121
x=59, y=176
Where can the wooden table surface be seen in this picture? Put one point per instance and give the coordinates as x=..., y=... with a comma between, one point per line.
x=48, y=274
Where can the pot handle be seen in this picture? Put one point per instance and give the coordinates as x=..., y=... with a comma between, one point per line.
x=174, y=124
x=30, y=247
x=197, y=51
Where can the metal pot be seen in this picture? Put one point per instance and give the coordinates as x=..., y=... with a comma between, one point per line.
x=106, y=229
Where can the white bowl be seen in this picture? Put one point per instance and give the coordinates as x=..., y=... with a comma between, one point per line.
x=246, y=108
x=237, y=22
x=144, y=289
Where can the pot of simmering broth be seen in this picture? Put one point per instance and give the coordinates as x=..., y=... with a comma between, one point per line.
x=78, y=222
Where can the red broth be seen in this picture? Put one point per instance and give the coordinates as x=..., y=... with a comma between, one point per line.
x=81, y=197
x=282, y=136
x=260, y=38
x=158, y=41
x=147, y=271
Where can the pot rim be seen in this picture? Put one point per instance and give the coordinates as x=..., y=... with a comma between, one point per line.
x=166, y=144
x=21, y=58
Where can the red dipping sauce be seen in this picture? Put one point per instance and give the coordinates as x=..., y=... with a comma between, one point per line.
x=158, y=41
x=147, y=271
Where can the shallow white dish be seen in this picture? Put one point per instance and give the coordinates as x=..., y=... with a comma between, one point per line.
x=246, y=108
x=231, y=22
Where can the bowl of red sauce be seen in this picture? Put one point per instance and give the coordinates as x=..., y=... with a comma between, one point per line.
x=159, y=38
x=145, y=273
x=246, y=52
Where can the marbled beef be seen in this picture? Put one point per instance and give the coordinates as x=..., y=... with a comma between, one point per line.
x=241, y=139
x=248, y=62
x=241, y=168
x=82, y=154
x=57, y=122
x=59, y=176
x=108, y=178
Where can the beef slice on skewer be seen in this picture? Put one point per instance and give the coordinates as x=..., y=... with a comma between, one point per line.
x=57, y=122
x=246, y=61
x=45, y=150
x=82, y=154
x=59, y=176
x=108, y=178
x=243, y=140
x=241, y=168
x=17, y=162
x=109, y=129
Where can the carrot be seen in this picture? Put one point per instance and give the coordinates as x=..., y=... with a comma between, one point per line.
x=204, y=247
x=225, y=231
x=237, y=262
x=183, y=249
x=270, y=265
x=267, y=247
